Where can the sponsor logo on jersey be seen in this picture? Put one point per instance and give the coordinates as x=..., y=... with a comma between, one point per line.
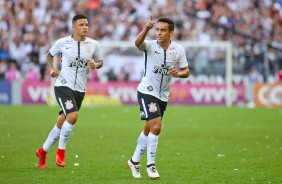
x=150, y=88
x=78, y=62
x=152, y=107
x=161, y=70
x=69, y=104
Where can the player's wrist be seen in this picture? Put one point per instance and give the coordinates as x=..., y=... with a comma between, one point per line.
x=147, y=29
x=178, y=75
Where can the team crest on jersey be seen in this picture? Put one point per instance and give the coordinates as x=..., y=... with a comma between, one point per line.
x=173, y=56
x=150, y=88
x=69, y=104
x=152, y=107
x=63, y=81
x=88, y=48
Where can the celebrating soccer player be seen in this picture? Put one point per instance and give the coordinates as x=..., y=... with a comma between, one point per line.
x=164, y=59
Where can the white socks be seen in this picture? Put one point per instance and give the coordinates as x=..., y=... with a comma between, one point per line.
x=52, y=138
x=65, y=134
x=152, y=143
x=146, y=143
x=140, y=148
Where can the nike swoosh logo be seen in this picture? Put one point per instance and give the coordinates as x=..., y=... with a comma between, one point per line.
x=68, y=47
x=157, y=52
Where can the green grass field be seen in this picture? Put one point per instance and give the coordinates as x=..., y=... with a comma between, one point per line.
x=197, y=145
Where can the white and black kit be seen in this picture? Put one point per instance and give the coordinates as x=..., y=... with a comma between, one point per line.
x=74, y=70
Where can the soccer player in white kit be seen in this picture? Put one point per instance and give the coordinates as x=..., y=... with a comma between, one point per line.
x=164, y=59
x=79, y=54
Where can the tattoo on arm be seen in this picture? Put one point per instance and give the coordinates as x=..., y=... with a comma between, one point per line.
x=99, y=64
x=50, y=60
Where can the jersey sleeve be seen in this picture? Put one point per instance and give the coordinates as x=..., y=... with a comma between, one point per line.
x=148, y=44
x=56, y=48
x=97, y=55
x=182, y=58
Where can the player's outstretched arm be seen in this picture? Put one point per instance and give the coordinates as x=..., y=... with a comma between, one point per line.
x=139, y=42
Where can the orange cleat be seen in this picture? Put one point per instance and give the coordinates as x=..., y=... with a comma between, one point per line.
x=41, y=155
x=60, y=158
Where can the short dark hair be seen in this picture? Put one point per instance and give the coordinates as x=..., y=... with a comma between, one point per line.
x=78, y=16
x=169, y=21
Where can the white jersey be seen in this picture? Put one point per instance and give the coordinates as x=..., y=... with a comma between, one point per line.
x=74, y=56
x=156, y=78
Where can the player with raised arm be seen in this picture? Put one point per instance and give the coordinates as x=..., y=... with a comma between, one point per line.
x=164, y=59
x=79, y=54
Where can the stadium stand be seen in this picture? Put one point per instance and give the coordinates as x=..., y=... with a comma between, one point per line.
x=27, y=28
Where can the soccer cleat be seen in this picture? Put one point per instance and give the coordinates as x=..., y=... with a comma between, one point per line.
x=135, y=169
x=60, y=158
x=41, y=155
x=152, y=171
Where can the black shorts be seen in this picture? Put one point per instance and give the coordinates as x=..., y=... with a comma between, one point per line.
x=68, y=99
x=150, y=106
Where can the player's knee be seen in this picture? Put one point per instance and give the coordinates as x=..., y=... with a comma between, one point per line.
x=156, y=129
x=72, y=117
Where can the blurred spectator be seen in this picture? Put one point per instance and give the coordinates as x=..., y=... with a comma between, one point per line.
x=254, y=76
x=42, y=50
x=46, y=76
x=279, y=76
x=201, y=61
x=111, y=75
x=93, y=76
x=4, y=51
x=123, y=75
x=3, y=69
x=13, y=74
x=250, y=80
x=32, y=74
x=16, y=50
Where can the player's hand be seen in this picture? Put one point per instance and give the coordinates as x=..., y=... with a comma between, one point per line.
x=54, y=72
x=150, y=24
x=91, y=64
x=173, y=72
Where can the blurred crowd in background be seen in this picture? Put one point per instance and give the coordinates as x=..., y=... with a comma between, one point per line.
x=29, y=27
